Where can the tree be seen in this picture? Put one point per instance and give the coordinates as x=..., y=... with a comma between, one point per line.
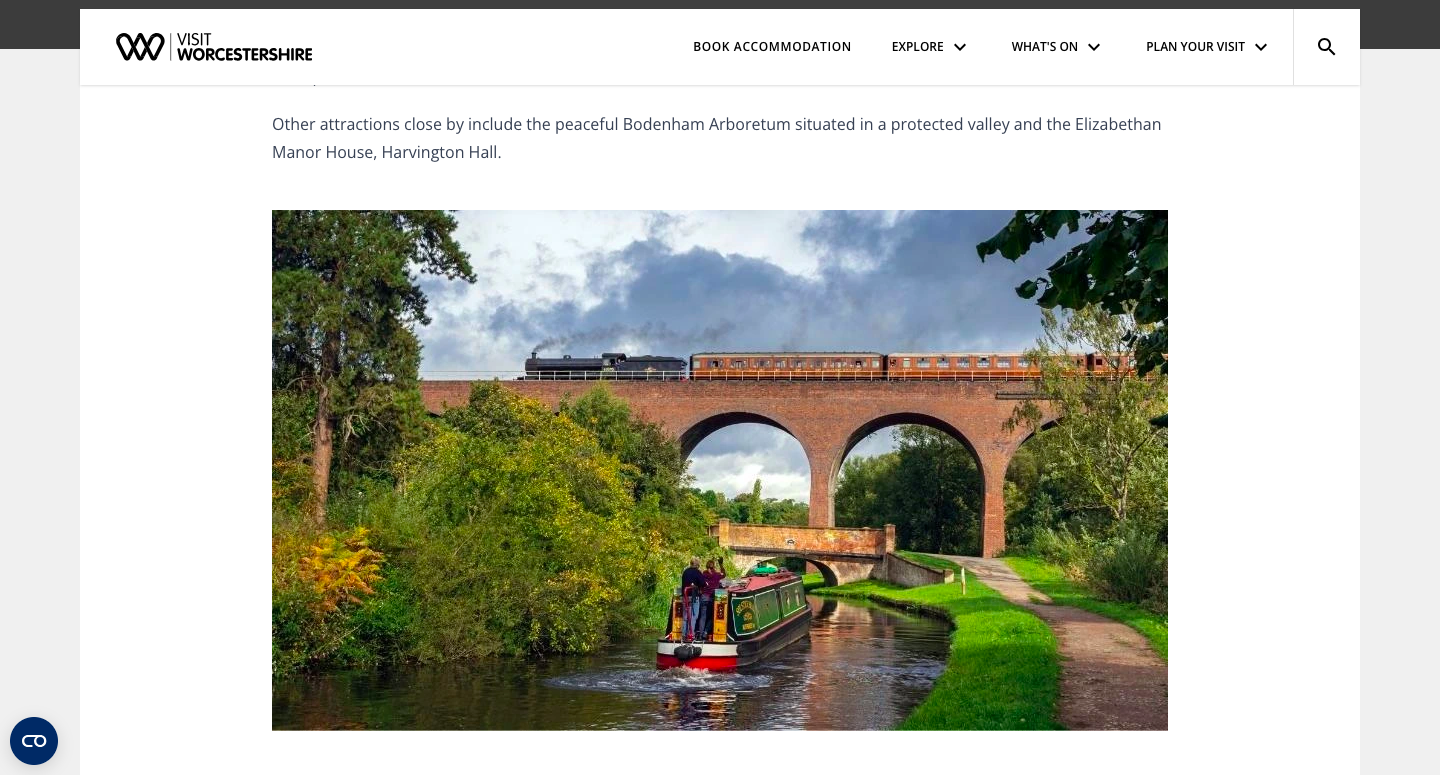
x=786, y=511
x=1123, y=268
x=756, y=505
x=929, y=488
x=654, y=464
x=751, y=508
x=528, y=533
x=859, y=495
x=1109, y=458
x=345, y=299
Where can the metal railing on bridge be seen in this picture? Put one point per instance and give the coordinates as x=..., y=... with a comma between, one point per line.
x=751, y=375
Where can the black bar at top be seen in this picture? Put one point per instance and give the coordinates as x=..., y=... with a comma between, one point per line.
x=1384, y=24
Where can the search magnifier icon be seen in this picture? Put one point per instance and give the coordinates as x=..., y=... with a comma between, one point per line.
x=1324, y=44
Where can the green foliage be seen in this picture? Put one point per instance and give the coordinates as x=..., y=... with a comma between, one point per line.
x=1068, y=550
x=345, y=299
x=507, y=528
x=1131, y=566
x=653, y=463
x=1053, y=581
x=1004, y=667
x=544, y=546
x=793, y=564
x=756, y=506
x=1122, y=268
x=291, y=414
x=1105, y=458
x=929, y=488
x=1029, y=514
x=746, y=508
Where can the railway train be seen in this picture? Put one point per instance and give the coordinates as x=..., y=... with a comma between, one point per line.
x=965, y=366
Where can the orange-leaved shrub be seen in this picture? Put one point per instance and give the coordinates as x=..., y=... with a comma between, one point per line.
x=341, y=569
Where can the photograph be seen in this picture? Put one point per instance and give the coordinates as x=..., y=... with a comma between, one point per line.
x=719, y=470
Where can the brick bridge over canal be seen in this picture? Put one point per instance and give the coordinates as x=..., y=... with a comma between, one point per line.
x=842, y=554
x=827, y=418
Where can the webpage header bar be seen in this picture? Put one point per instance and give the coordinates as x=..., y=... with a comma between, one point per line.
x=720, y=48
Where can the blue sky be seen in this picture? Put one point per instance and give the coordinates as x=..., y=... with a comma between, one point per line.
x=673, y=283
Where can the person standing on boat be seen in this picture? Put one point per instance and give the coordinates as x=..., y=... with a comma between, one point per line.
x=692, y=586
x=713, y=578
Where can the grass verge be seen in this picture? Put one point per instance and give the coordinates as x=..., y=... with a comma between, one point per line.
x=812, y=580
x=1004, y=668
x=1051, y=580
x=929, y=561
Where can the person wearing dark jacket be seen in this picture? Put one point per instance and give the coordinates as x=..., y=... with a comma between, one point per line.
x=713, y=578
x=692, y=586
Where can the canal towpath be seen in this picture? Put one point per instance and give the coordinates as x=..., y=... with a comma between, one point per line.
x=1110, y=678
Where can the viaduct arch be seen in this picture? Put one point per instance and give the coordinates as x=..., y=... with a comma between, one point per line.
x=827, y=418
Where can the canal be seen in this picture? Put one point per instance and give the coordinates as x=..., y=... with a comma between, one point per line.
x=862, y=667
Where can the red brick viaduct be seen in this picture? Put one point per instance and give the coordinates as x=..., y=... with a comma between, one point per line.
x=827, y=418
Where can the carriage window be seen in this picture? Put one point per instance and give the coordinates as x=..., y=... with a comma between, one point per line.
x=780, y=363
x=859, y=364
x=1003, y=363
x=924, y=363
x=738, y=363
x=942, y=362
x=762, y=364
x=714, y=364
x=1024, y=363
x=874, y=363
x=983, y=363
x=906, y=362
x=962, y=363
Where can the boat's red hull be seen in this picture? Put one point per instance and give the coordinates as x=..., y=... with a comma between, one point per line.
x=733, y=655
x=667, y=661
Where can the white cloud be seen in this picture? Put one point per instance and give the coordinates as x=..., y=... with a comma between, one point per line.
x=731, y=459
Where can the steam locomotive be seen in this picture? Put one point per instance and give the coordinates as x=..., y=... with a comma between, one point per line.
x=812, y=366
x=607, y=366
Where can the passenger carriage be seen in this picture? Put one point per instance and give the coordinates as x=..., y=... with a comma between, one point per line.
x=960, y=366
x=788, y=365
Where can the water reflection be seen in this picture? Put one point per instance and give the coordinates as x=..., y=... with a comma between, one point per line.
x=862, y=667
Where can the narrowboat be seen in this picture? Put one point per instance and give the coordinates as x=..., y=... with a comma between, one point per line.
x=754, y=618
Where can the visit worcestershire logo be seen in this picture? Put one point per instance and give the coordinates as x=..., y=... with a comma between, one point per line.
x=140, y=47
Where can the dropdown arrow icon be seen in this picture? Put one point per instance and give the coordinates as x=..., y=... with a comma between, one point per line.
x=1261, y=46
x=1094, y=46
x=959, y=46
